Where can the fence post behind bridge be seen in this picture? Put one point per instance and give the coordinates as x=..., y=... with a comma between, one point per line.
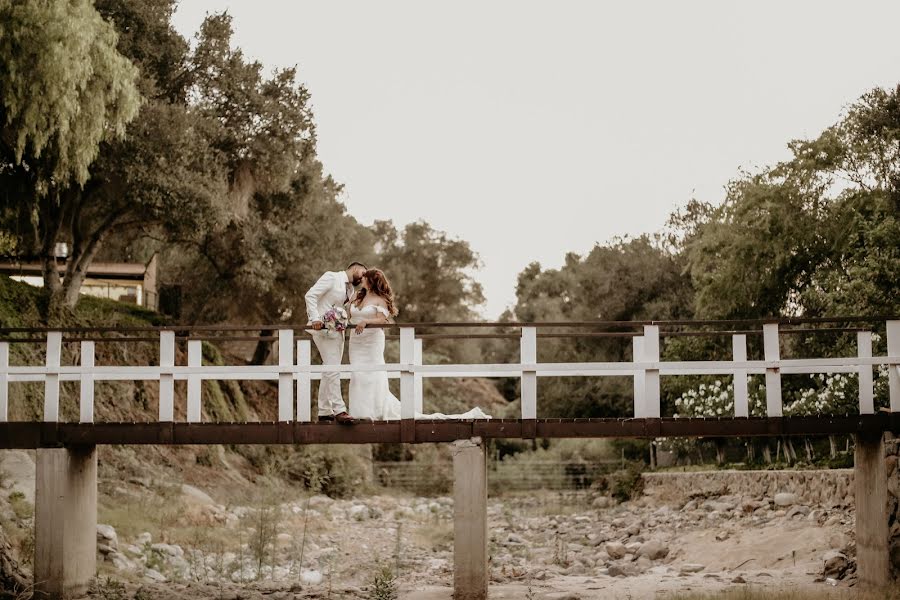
x=651, y=376
x=417, y=377
x=166, y=376
x=51, y=379
x=285, y=379
x=741, y=397
x=893, y=350
x=304, y=382
x=637, y=355
x=407, y=385
x=86, y=397
x=194, y=383
x=866, y=386
x=772, y=353
x=528, y=358
x=4, y=382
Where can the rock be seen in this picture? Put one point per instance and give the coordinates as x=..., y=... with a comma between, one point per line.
x=154, y=576
x=197, y=495
x=738, y=579
x=797, y=510
x=835, y=564
x=601, y=502
x=719, y=506
x=106, y=535
x=691, y=568
x=311, y=577
x=104, y=549
x=168, y=550
x=359, y=512
x=143, y=539
x=785, y=499
x=616, y=550
x=633, y=529
x=625, y=570
x=722, y=536
x=653, y=549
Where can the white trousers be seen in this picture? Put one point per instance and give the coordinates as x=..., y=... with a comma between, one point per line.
x=331, y=349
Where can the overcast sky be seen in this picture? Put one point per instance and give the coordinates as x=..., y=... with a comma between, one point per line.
x=531, y=129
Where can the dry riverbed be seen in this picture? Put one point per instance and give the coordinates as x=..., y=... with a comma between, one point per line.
x=159, y=540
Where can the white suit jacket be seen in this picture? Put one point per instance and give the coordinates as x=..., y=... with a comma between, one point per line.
x=330, y=290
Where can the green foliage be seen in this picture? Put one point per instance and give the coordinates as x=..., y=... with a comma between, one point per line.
x=64, y=88
x=384, y=584
x=626, y=484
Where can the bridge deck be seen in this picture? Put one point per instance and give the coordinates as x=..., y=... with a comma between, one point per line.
x=38, y=434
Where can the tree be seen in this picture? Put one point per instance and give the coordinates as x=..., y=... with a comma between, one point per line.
x=64, y=90
x=629, y=279
x=431, y=273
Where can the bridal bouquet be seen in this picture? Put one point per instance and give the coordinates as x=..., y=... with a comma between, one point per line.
x=335, y=320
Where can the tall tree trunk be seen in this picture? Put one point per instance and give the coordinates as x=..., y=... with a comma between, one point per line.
x=832, y=442
x=767, y=452
x=720, y=451
x=263, y=348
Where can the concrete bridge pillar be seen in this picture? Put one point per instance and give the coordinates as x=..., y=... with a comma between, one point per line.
x=470, y=532
x=65, y=521
x=872, y=531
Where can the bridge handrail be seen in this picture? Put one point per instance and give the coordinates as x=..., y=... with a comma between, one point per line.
x=295, y=371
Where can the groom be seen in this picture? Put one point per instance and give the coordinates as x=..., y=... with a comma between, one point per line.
x=334, y=288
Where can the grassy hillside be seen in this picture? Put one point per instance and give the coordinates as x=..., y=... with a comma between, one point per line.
x=342, y=469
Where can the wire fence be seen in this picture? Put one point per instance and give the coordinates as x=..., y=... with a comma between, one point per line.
x=437, y=478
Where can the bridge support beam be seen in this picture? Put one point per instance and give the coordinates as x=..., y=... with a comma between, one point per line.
x=872, y=532
x=65, y=521
x=470, y=531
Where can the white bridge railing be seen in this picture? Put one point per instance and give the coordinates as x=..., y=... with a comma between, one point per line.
x=295, y=373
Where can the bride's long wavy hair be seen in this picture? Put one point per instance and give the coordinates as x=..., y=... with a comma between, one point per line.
x=380, y=286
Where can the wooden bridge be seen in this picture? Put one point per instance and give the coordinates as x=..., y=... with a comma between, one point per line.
x=65, y=511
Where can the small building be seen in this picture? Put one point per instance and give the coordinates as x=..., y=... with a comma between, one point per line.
x=125, y=282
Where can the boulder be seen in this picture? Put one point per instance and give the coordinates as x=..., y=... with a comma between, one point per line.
x=835, y=564
x=312, y=577
x=106, y=536
x=601, y=502
x=691, y=568
x=616, y=550
x=653, y=550
x=785, y=499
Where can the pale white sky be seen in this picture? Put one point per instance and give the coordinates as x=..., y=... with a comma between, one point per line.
x=531, y=129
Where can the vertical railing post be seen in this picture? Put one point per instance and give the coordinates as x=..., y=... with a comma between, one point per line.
x=407, y=384
x=86, y=396
x=866, y=381
x=4, y=382
x=640, y=397
x=304, y=382
x=528, y=359
x=166, y=376
x=417, y=377
x=194, y=382
x=893, y=351
x=285, y=379
x=51, y=379
x=772, y=353
x=651, y=376
x=741, y=396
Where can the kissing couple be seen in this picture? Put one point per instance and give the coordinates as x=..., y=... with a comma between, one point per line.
x=368, y=298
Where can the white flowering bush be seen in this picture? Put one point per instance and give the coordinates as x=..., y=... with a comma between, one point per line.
x=832, y=394
x=716, y=399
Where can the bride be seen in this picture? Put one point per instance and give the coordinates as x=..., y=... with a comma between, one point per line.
x=370, y=397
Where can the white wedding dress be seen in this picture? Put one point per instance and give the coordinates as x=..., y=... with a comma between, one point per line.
x=370, y=397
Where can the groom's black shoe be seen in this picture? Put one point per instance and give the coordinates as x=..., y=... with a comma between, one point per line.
x=344, y=418
x=326, y=418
